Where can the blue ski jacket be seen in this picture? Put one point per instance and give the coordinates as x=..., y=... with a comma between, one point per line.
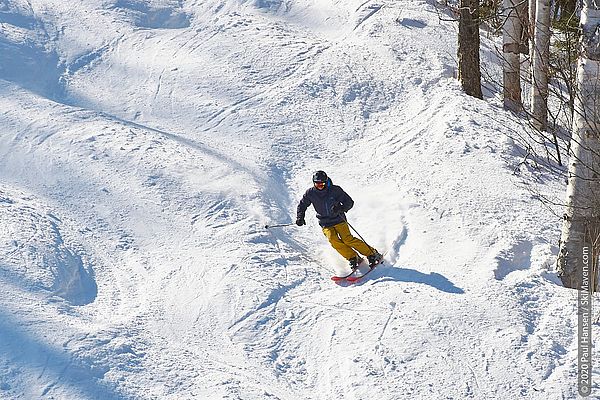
x=323, y=202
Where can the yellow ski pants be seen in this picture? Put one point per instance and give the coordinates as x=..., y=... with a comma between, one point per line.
x=342, y=240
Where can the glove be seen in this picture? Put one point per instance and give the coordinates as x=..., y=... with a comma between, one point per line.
x=337, y=209
x=300, y=221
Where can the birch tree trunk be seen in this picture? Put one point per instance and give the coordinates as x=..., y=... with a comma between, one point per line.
x=583, y=190
x=511, y=41
x=469, y=72
x=531, y=10
x=541, y=53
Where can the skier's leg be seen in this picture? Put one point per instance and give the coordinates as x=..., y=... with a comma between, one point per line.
x=347, y=238
x=332, y=235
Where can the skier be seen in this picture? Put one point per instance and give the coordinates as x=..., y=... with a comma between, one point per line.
x=331, y=203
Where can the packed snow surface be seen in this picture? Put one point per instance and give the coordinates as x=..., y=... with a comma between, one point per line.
x=144, y=146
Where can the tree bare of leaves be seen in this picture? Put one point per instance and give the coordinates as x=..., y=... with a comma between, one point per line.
x=582, y=217
x=469, y=73
x=531, y=22
x=540, y=66
x=512, y=33
x=554, y=75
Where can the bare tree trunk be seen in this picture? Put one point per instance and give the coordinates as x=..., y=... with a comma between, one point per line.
x=511, y=45
x=469, y=72
x=541, y=53
x=531, y=9
x=523, y=11
x=583, y=190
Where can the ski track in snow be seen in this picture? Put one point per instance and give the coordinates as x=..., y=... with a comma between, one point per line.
x=145, y=144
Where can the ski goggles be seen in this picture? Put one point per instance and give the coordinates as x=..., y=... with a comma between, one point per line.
x=319, y=185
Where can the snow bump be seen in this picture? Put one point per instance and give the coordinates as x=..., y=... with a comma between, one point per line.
x=34, y=254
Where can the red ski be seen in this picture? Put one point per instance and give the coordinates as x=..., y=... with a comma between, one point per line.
x=336, y=278
x=356, y=278
x=352, y=277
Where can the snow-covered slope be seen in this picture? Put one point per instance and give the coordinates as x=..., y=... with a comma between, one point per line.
x=145, y=144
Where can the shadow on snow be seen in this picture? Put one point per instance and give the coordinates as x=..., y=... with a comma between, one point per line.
x=433, y=279
x=38, y=362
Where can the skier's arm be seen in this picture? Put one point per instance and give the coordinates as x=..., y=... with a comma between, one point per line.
x=302, y=206
x=346, y=200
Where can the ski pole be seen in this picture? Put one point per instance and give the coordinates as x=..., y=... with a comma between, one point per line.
x=278, y=225
x=355, y=231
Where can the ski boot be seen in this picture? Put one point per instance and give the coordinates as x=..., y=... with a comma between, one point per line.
x=374, y=259
x=355, y=262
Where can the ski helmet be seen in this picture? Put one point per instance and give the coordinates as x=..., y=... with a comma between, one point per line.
x=320, y=176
